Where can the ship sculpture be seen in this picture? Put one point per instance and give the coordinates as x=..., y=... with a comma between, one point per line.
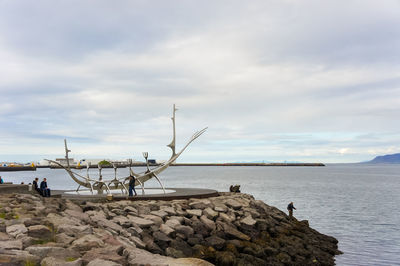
x=100, y=185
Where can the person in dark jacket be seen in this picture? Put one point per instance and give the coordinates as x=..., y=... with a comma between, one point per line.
x=290, y=208
x=132, y=186
x=43, y=187
x=36, y=186
x=1, y=180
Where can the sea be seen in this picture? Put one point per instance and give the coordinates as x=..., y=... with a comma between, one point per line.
x=359, y=204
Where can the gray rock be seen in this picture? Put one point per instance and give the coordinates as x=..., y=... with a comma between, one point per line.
x=57, y=252
x=142, y=223
x=137, y=241
x=64, y=239
x=17, y=257
x=221, y=208
x=16, y=229
x=225, y=217
x=110, y=253
x=234, y=204
x=159, y=213
x=249, y=221
x=185, y=230
x=98, y=262
x=215, y=242
x=172, y=223
x=169, y=210
x=210, y=213
x=194, y=212
x=207, y=222
x=40, y=232
x=156, y=219
x=166, y=229
x=11, y=244
x=74, y=230
x=131, y=210
x=4, y=236
x=79, y=215
x=87, y=242
x=51, y=261
x=234, y=233
x=122, y=220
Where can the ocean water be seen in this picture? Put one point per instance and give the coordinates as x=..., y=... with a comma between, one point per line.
x=359, y=204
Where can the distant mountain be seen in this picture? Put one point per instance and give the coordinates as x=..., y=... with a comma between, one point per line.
x=390, y=158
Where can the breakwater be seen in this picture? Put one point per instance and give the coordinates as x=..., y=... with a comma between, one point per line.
x=228, y=229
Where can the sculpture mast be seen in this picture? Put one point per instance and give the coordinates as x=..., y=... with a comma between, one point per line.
x=172, y=144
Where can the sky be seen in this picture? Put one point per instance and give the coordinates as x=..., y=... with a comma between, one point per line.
x=274, y=81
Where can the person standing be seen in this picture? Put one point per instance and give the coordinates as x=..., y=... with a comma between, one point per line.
x=132, y=186
x=290, y=208
x=1, y=180
x=43, y=187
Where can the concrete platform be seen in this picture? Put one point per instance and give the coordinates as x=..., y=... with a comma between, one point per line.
x=178, y=193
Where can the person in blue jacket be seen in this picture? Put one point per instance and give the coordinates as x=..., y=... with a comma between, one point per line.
x=43, y=187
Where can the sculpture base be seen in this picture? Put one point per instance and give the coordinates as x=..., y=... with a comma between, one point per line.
x=150, y=194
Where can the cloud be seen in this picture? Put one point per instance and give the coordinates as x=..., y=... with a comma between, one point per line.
x=273, y=80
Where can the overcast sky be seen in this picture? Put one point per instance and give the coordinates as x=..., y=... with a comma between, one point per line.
x=310, y=81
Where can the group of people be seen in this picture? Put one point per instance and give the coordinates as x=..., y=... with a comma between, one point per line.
x=43, y=188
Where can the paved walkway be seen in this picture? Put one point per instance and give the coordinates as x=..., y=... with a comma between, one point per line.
x=180, y=193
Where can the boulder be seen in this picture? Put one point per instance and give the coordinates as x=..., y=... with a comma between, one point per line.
x=137, y=241
x=110, y=253
x=187, y=231
x=156, y=219
x=159, y=213
x=169, y=210
x=215, y=242
x=18, y=257
x=74, y=230
x=40, y=232
x=102, y=262
x=172, y=223
x=56, y=252
x=248, y=221
x=208, y=223
x=131, y=210
x=234, y=204
x=141, y=222
x=210, y=213
x=122, y=220
x=64, y=239
x=16, y=229
x=11, y=244
x=166, y=229
x=221, y=208
x=51, y=261
x=194, y=212
x=230, y=231
x=226, y=218
x=79, y=215
x=87, y=242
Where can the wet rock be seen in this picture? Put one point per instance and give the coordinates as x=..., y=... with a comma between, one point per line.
x=225, y=258
x=172, y=252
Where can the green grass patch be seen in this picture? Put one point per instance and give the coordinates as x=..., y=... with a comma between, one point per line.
x=2, y=215
x=70, y=259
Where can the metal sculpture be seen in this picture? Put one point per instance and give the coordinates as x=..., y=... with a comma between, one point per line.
x=122, y=182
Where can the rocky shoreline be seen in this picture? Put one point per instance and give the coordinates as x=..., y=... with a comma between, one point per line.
x=231, y=229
